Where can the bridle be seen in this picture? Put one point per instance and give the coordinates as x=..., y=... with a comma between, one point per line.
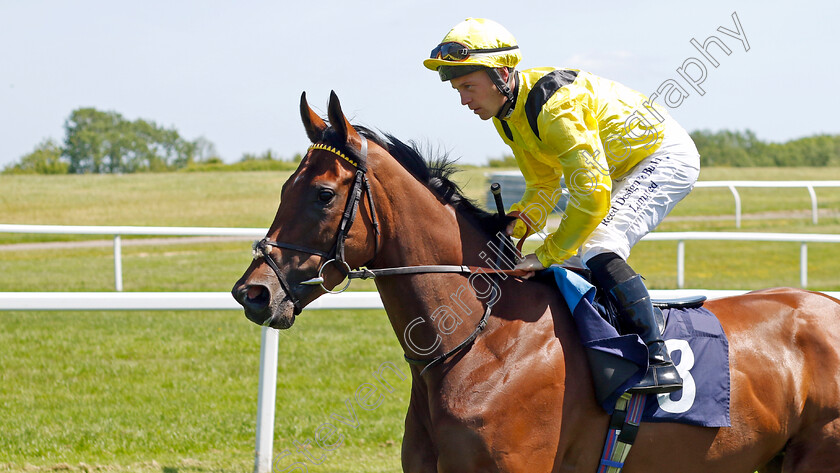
x=361, y=185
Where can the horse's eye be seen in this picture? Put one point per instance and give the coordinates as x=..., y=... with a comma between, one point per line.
x=325, y=195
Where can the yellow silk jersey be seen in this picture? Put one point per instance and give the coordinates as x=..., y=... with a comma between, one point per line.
x=587, y=129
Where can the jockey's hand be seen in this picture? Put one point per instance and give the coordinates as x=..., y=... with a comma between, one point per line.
x=511, y=226
x=531, y=264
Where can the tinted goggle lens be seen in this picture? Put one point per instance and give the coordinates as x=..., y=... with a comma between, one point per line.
x=458, y=52
x=451, y=52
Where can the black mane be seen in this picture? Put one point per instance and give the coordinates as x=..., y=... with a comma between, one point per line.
x=435, y=173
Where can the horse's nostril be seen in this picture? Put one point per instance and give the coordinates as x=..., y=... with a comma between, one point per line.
x=257, y=296
x=255, y=291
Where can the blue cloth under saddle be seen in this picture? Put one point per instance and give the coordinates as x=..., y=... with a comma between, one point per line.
x=693, y=337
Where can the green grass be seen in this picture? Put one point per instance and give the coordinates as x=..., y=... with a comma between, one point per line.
x=231, y=199
x=249, y=199
x=246, y=199
x=124, y=389
x=176, y=391
x=737, y=265
x=171, y=268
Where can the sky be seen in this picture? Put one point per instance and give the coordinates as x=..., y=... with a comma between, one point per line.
x=233, y=72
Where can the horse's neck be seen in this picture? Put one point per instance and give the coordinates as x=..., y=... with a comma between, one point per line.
x=443, y=308
x=418, y=229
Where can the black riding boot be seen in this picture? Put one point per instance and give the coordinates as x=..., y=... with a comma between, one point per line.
x=636, y=309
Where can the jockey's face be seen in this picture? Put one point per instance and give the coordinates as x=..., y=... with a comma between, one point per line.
x=478, y=92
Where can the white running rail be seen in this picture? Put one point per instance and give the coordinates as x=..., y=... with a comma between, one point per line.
x=680, y=237
x=733, y=187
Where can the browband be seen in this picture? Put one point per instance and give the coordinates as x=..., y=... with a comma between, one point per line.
x=334, y=151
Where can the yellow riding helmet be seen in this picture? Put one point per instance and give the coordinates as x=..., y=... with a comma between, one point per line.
x=476, y=42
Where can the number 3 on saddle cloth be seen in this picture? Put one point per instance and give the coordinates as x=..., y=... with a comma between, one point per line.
x=694, y=338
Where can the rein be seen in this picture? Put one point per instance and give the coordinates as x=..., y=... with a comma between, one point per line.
x=361, y=185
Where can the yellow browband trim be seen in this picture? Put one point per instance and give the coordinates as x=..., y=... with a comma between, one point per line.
x=333, y=151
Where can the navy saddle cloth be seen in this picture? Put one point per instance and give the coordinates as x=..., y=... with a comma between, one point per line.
x=694, y=338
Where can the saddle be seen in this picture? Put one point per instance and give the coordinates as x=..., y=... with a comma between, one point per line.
x=618, y=361
x=605, y=307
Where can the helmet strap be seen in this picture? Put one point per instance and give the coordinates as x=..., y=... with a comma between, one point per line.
x=510, y=95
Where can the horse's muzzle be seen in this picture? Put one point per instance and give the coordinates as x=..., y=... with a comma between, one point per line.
x=263, y=307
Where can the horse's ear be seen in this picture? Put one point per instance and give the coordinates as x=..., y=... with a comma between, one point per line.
x=339, y=121
x=314, y=124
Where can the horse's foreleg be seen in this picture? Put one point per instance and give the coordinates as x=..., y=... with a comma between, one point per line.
x=817, y=451
x=774, y=466
x=418, y=452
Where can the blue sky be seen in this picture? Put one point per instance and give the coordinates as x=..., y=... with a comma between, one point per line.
x=233, y=72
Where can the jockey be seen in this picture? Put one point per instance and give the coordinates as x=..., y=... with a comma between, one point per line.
x=625, y=162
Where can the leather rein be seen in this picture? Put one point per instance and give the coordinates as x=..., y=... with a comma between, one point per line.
x=361, y=185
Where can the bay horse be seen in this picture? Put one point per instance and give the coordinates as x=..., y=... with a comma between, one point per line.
x=510, y=390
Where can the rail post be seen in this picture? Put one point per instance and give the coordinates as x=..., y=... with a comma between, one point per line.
x=803, y=265
x=813, y=204
x=266, y=400
x=737, y=205
x=680, y=264
x=118, y=282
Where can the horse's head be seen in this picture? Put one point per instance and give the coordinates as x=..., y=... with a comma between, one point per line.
x=322, y=227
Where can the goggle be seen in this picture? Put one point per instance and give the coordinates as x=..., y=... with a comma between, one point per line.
x=453, y=51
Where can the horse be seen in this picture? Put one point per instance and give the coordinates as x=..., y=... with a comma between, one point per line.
x=506, y=386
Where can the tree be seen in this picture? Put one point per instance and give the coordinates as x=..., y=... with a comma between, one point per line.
x=734, y=148
x=44, y=159
x=267, y=155
x=204, y=151
x=89, y=137
x=105, y=142
x=731, y=148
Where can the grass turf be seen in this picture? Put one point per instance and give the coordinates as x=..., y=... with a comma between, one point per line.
x=130, y=390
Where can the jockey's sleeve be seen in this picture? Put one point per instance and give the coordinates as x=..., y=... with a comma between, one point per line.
x=571, y=130
x=542, y=190
x=588, y=204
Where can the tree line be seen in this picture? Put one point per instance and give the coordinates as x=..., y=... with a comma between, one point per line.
x=743, y=149
x=100, y=142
